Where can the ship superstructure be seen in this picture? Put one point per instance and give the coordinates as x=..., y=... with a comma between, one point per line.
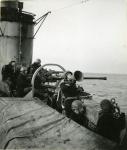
x=16, y=33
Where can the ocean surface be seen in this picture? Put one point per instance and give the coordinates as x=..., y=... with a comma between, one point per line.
x=114, y=87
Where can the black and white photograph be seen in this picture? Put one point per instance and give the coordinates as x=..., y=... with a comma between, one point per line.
x=63, y=74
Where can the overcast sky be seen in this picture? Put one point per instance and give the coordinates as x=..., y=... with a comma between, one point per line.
x=91, y=37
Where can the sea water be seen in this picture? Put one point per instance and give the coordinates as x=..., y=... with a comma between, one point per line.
x=114, y=87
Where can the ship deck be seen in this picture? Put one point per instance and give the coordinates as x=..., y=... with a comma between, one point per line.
x=29, y=123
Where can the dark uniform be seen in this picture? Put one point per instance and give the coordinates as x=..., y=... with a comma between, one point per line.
x=33, y=67
x=69, y=89
x=75, y=110
x=79, y=118
x=22, y=84
x=108, y=126
x=9, y=71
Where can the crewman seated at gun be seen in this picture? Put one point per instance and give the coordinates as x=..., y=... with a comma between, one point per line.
x=69, y=87
x=78, y=76
x=41, y=88
x=76, y=111
x=69, y=91
x=108, y=124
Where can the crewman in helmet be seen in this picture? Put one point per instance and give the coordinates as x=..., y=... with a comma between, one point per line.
x=107, y=124
x=34, y=66
x=68, y=87
x=75, y=110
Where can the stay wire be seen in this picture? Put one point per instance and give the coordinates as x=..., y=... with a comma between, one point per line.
x=37, y=22
x=71, y=5
x=40, y=25
x=5, y=28
x=3, y=32
x=42, y=18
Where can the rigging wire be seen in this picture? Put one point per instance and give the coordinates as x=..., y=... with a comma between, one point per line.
x=71, y=5
x=5, y=28
x=1, y=31
x=42, y=18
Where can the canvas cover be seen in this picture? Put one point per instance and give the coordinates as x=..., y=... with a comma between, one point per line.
x=29, y=123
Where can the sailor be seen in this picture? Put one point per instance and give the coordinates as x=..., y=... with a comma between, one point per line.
x=22, y=85
x=107, y=125
x=76, y=111
x=68, y=91
x=42, y=89
x=68, y=87
x=33, y=67
x=9, y=71
x=78, y=75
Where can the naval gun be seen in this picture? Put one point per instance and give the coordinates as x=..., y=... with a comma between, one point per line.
x=30, y=123
x=59, y=102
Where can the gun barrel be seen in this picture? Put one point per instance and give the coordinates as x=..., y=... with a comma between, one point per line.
x=95, y=78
